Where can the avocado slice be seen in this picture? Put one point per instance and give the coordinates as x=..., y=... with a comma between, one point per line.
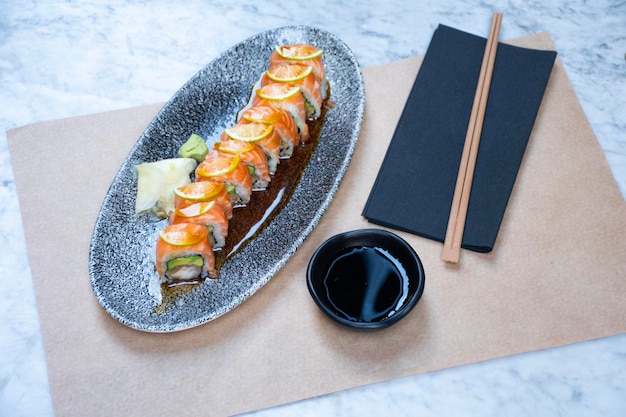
x=230, y=189
x=310, y=110
x=185, y=268
x=185, y=261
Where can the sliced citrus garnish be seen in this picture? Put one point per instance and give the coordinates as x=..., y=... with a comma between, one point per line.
x=277, y=91
x=232, y=146
x=198, y=191
x=298, y=52
x=288, y=73
x=183, y=234
x=196, y=209
x=262, y=114
x=249, y=132
x=217, y=165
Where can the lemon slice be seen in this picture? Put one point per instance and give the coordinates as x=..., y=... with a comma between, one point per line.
x=298, y=52
x=196, y=209
x=234, y=146
x=277, y=91
x=199, y=191
x=288, y=73
x=217, y=166
x=183, y=234
x=249, y=132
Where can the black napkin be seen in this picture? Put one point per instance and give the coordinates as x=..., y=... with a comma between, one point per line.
x=415, y=185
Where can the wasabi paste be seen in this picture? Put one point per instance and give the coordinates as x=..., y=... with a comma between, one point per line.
x=195, y=148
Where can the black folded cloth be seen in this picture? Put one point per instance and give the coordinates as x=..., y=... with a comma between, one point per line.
x=415, y=185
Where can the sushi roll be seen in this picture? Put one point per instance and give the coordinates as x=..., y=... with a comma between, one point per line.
x=304, y=55
x=303, y=77
x=184, y=253
x=252, y=156
x=218, y=167
x=291, y=93
x=206, y=213
x=282, y=122
x=287, y=97
x=263, y=135
x=204, y=191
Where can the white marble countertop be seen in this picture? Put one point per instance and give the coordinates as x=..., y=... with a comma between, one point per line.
x=66, y=58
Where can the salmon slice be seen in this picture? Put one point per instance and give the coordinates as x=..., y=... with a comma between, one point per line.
x=252, y=155
x=204, y=191
x=292, y=54
x=269, y=142
x=274, y=95
x=310, y=88
x=283, y=125
x=206, y=213
x=229, y=170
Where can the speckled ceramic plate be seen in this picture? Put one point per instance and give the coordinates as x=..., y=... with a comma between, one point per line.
x=121, y=260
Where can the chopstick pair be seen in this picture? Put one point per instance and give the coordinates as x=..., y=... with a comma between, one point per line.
x=458, y=212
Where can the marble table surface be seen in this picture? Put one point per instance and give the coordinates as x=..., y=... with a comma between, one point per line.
x=67, y=58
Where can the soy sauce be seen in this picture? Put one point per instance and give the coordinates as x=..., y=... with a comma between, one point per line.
x=366, y=284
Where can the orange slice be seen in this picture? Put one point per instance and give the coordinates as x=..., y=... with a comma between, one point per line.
x=234, y=146
x=196, y=209
x=298, y=52
x=277, y=91
x=217, y=166
x=183, y=234
x=249, y=132
x=288, y=73
x=199, y=191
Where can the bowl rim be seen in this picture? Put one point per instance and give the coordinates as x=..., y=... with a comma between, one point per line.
x=361, y=233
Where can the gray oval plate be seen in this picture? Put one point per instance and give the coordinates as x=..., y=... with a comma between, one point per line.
x=121, y=258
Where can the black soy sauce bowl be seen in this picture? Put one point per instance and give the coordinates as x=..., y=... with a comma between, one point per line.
x=365, y=279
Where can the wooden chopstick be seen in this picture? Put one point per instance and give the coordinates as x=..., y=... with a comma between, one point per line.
x=458, y=211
